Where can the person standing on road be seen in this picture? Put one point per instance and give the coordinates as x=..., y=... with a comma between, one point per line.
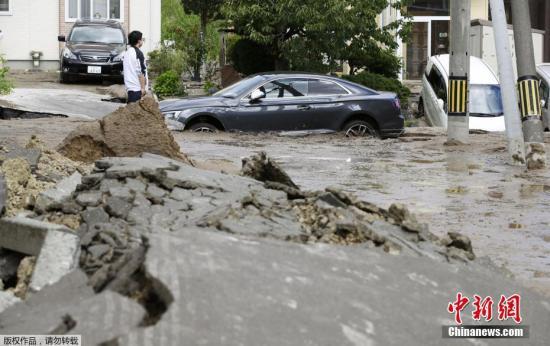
x=135, y=70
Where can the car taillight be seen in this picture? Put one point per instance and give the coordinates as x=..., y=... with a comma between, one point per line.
x=396, y=103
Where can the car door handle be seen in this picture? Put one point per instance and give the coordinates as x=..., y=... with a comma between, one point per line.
x=304, y=107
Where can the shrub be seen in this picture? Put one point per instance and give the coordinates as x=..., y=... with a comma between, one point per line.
x=5, y=84
x=168, y=84
x=166, y=59
x=382, y=83
x=250, y=57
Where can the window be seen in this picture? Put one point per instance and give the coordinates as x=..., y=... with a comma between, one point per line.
x=93, y=9
x=429, y=8
x=323, y=87
x=4, y=6
x=285, y=88
x=438, y=84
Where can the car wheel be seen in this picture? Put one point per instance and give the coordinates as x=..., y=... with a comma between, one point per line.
x=203, y=127
x=360, y=128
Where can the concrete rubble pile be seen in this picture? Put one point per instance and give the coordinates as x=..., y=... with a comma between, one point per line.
x=167, y=251
x=129, y=131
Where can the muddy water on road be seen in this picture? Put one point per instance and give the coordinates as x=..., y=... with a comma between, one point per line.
x=470, y=188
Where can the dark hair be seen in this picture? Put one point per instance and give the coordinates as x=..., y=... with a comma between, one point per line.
x=134, y=37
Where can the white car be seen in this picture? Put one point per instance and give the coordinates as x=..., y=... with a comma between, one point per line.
x=543, y=72
x=485, y=102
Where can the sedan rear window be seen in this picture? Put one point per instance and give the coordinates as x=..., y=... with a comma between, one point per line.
x=323, y=87
x=96, y=34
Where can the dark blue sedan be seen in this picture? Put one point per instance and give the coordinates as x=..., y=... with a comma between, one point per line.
x=291, y=102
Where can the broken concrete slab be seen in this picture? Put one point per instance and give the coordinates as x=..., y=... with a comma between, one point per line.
x=240, y=290
x=54, y=198
x=26, y=235
x=97, y=318
x=62, y=102
x=58, y=256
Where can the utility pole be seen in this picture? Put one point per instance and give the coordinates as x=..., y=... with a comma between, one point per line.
x=516, y=146
x=528, y=86
x=459, y=68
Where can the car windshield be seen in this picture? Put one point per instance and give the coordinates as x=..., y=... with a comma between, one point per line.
x=97, y=34
x=485, y=100
x=240, y=87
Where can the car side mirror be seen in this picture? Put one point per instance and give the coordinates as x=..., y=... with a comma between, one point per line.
x=212, y=91
x=256, y=95
x=543, y=103
x=61, y=38
x=440, y=103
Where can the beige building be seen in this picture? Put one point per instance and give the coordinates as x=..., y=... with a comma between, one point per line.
x=430, y=32
x=33, y=25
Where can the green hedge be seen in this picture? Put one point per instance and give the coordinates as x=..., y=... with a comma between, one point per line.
x=382, y=83
x=5, y=85
x=168, y=84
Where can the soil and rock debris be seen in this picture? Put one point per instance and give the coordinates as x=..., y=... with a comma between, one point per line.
x=129, y=131
x=172, y=252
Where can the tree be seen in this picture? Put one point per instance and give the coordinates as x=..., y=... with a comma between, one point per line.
x=206, y=10
x=318, y=33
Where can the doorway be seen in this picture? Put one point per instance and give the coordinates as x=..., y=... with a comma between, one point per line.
x=429, y=36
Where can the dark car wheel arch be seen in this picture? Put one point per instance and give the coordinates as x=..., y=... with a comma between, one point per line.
x=207, y=119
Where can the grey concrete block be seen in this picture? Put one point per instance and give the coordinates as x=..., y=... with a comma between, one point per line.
x=58, y=256
x=26, y=235
x=53, y=199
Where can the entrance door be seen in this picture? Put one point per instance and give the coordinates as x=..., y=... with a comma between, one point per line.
x=440, y=37
x=417, y=50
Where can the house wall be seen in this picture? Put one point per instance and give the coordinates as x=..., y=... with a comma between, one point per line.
x=145, y=16
x=65, y=26
x=32, y=25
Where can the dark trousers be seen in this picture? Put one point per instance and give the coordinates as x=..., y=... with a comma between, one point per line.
x=134, y=96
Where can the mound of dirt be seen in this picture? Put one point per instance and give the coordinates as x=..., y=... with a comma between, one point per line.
x=129, y=131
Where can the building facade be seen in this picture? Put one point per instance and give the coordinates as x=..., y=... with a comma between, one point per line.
x=430, y=31
x=31, y=25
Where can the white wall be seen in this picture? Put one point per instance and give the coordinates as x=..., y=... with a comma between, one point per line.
x=32, y=25
x=482, y=45
x=145, y=16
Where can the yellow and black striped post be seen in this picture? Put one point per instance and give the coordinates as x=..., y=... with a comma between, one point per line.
x=458, y=96
x=529, y=98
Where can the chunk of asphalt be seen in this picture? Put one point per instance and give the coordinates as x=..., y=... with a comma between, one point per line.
x=32, y=156
x=53, y=199
x=47, y=311
x=117, y=207
x=93, y=216
x=89, y=198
